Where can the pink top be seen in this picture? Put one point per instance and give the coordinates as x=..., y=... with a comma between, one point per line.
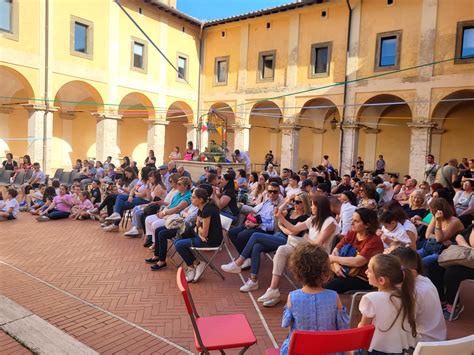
x=86, y=205
x=60, y=205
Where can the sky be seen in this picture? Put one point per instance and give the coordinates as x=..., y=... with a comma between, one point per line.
x=215, y=9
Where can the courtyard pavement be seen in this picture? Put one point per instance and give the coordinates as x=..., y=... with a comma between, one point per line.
x=96, y=287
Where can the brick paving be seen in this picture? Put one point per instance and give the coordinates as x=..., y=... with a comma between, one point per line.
x=96, y=287
x=8, y=346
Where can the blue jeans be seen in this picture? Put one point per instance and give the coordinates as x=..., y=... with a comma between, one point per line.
x=122, y=204
x=161, y=236
x=55, y=214
x=239, y=236
x=182, y=248
x=261, y=242
x=427, y=260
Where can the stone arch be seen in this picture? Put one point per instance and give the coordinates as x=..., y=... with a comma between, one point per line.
x=136, y=110
x=180, y=117
x=318, y=135
x=74, y=125
x=265, y=134
x=452, y=137
x=385, y=131
x=222, y=117
x=15, y=91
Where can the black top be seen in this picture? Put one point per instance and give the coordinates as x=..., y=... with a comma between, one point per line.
x=295, y=221
x=96, y=194
x=232, y=205
x=9, y=166
x=214, y=236
x=343, y=188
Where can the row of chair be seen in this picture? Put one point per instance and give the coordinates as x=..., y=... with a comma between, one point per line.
x=20, y=178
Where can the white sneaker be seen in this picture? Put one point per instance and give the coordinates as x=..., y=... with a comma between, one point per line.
x=199, y=270
x=111, y=228
x=271, y=303
x=132, y=232
x=189, y=274
x=231, y=267
x=249, y=286
x=94, y=211
x=114, y=217
x=246, y=264
x=269, y=295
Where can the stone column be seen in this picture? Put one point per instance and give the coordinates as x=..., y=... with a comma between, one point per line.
x=106, y=135
x=4, y=130
x=317, y=145
x=349, y=146
x=370, y=146
x=40, y=122
x=436, y=136
x=242, y=137
x=419, y=148
x=289, y=144
x=156, y=139
x=191, y=133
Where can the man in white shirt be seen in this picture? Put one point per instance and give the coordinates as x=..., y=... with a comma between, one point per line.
x=242, y=157
x=343, y=208
x=431, y=168
x=430, y=323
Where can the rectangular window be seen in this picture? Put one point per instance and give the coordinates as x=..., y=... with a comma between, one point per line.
x=6, y=12
x=388, y=47
x=138, y=53
x=267, y=66
x=320, y=59
x=221, y=70
x=81, y=37
x=182, y=66
x=465, y=42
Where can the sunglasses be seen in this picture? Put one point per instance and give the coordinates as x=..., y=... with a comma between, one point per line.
x=273, y=191
x=297, y=202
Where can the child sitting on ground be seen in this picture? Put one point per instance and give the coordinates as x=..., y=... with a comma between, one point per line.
x=96, y=196
x=33, y=198
x=47, y=199
x=312, y=307
x=2, y=202
x=392, y=230
x=11, y=208
x=81, y=211
x=430, y=323
x=392, y=309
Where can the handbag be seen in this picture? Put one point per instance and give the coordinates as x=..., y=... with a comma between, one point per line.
x=432, y=246
x=457, y=255
x=174, y=221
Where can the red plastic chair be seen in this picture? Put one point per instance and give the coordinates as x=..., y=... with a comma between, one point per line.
x=216, y=332
x=305, y=342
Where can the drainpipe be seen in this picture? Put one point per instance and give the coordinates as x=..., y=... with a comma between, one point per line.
x=346, y=78
x=46, y=84
x=201, y=51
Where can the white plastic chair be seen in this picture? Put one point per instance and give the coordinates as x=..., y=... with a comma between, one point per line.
x=461, y=346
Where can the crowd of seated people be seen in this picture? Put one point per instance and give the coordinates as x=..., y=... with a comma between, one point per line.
x=335, y=234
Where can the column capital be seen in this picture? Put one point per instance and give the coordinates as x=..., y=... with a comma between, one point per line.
x=106, y=116
x=352, y=125
x=40, y=107
x=438, y=131
x=370, y=130
x=318, y=130
x=289, y=127
x=190, y=125
x=241, y=126
x=421, y=125
x=158, y=122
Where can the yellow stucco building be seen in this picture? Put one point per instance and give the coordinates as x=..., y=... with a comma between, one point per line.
x=336, y=77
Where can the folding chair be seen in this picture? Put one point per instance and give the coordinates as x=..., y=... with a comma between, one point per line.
x=226, y=222
x=457, y=346
x=355, y=294
x=64, y=178
x=304, y=342
x=127, y=216
x=74, y=175
x=5, y=177
x=57, y=174
x=28, y=174
x=285, y=274
x=222, y=332
x=19, y=180
x=465, y=293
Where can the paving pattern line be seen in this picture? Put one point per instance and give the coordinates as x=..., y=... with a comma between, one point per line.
x=149, y=332
x=259, y=312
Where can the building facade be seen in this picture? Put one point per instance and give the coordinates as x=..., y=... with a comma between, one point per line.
x=342, y=78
